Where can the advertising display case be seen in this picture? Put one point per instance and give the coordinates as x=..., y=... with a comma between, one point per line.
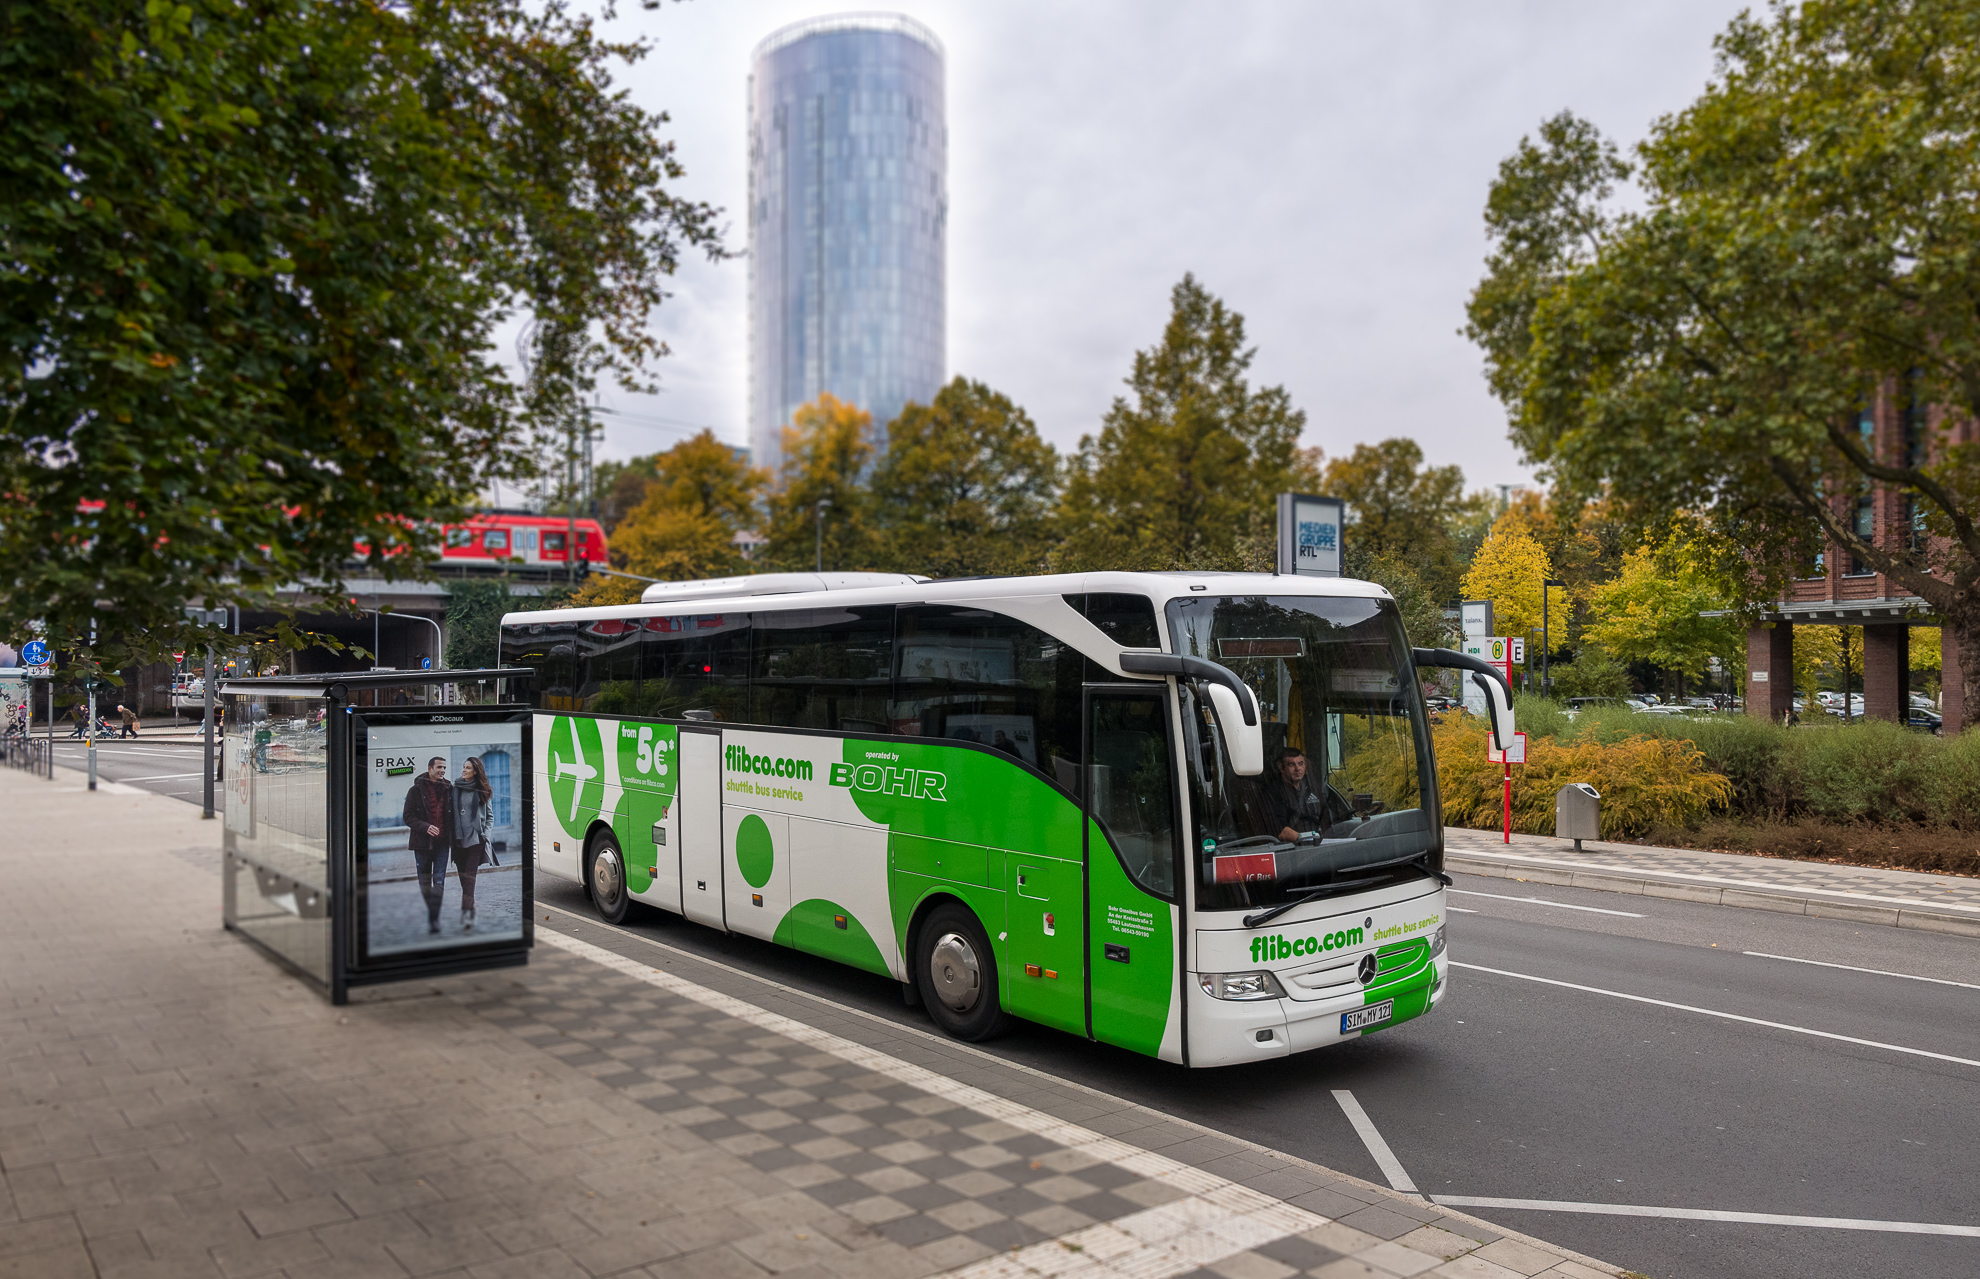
x=378, y=825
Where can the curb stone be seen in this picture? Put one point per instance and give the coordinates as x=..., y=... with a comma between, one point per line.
x=1672, y=887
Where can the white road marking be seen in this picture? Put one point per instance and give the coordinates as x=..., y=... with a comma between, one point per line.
x=1880, y=972
x=1710, y=1214
x=1385, y=1158
x=1460, y=910
x=1216, y=1218
x=1713, y=1012
x=162, y=777
x=1541, y=901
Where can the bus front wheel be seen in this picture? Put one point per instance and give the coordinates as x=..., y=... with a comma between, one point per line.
x=957, y=974
x=608, y=881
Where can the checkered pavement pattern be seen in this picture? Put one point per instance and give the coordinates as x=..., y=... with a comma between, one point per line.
x=172, y=1104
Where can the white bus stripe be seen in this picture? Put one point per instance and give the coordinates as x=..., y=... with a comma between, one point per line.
x=1385, y=1158
x=1710, y=1214
x=1541, y=901
x=1713, y=1012
x=1880, y=972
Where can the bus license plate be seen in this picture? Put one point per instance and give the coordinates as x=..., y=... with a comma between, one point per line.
x=1363, y=1018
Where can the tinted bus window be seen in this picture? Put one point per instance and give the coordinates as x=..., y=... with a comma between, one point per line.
x=548, y=649
x=977, y=676
x=827, y=668
x=1128, y=620
x=699, y=663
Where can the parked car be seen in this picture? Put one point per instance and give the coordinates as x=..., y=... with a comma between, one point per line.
x=1926, y=721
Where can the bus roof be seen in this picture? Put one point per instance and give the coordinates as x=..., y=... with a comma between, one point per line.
x=1160, y=588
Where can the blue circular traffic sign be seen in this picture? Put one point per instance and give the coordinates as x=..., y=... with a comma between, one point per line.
x=34, y=653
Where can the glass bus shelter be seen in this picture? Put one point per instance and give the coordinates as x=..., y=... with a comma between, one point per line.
x=378, y=825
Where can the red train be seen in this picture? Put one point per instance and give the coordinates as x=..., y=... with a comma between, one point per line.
x=531, y=539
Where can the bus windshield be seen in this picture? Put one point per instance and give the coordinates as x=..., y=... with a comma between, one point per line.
x=1342, y=803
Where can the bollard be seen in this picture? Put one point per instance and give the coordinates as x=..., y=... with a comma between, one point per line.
x=1577, y=813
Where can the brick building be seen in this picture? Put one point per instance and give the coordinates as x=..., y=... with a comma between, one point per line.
x=1898, y=429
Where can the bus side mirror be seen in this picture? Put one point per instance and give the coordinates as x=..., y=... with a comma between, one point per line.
x=1499, y=709
x=1498, y=693
x=1245, y=742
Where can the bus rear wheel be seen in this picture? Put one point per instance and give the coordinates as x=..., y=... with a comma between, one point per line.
x=607, y=879
x=957, y=974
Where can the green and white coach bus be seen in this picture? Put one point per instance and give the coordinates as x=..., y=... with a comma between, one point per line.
x=1192, y=815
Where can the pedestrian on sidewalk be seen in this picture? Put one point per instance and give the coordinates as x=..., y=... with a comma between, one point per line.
x=472, y=794
x=429, y=818
x=130, y=722
x=79, y=717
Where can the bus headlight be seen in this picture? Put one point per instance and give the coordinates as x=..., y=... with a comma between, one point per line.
x=1242, y=986
x=1436, y=943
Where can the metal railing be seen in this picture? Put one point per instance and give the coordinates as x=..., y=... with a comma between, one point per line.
x=29, y=754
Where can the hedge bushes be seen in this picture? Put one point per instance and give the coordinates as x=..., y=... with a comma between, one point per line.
x=1645, y=781
x=1867, y=771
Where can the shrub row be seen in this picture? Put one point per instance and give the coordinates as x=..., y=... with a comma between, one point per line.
x=1867, y=771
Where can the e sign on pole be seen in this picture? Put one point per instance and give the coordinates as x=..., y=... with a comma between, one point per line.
x=1310, y=534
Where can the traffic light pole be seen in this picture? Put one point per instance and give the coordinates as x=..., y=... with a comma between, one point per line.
x=92, y=733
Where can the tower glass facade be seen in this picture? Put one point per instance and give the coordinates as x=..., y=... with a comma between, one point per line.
x=848, y=210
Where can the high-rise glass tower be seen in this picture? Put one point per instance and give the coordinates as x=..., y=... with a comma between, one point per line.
x=848, y=211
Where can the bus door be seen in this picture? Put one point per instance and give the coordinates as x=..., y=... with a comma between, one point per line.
x=1130, y=799
x=701, y=825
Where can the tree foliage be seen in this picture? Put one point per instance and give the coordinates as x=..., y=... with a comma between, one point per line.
x=966, y=486
x=1654, y=611
x=251, y=257
x=1509, y=570
x=828, y=450
x=1403, y=512
x=1188, y=468
x=701, y=496
x=1807, y=243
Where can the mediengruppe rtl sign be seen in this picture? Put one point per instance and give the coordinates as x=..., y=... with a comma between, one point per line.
x=1310, y=534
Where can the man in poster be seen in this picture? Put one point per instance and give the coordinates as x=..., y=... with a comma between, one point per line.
x=429, y=818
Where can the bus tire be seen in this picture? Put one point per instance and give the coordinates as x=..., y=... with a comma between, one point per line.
x=605, y=876
x=957, y=974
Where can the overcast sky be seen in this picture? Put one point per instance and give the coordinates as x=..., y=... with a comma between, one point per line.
x=1322, y=167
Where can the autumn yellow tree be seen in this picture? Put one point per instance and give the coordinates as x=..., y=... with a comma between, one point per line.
x=1509, y=570
x=703, y=493
x=828, y=450
x=1656, y=610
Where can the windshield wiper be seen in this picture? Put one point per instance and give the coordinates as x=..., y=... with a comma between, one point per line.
x=1334, y=886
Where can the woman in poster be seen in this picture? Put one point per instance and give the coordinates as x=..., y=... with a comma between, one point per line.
x=472, y=818
x=429, y=819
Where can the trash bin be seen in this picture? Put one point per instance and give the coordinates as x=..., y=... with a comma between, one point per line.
x=1577, y=813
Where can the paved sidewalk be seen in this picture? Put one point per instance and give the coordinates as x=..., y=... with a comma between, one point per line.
x=1871, y=894
x=173, y=1104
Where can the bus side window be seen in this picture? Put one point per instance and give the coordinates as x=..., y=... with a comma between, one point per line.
x=1128, y=620
x=547, y=649
x=822, y=668
x=1134, y=785
x=977, y=676
x=697, y=663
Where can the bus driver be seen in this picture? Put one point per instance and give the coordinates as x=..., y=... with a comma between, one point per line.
x=1292, y=807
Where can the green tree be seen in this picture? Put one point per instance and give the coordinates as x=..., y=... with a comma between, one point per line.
x=965, y=487
x=828, y=448
x=1185, y=472
x=1592, y=673
x=1402, y=511
x=1654, y=611
x=1805, y=246
x=474, y=618
x=701, y=496
x=252, y=257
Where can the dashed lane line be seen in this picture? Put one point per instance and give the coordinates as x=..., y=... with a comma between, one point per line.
x=1541, y=901
x=1878, y=972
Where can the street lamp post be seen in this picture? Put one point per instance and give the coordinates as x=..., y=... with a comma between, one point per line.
x=823, y=502
x=1546, y=648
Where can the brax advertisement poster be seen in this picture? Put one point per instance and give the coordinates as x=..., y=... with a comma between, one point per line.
x=442, y=836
